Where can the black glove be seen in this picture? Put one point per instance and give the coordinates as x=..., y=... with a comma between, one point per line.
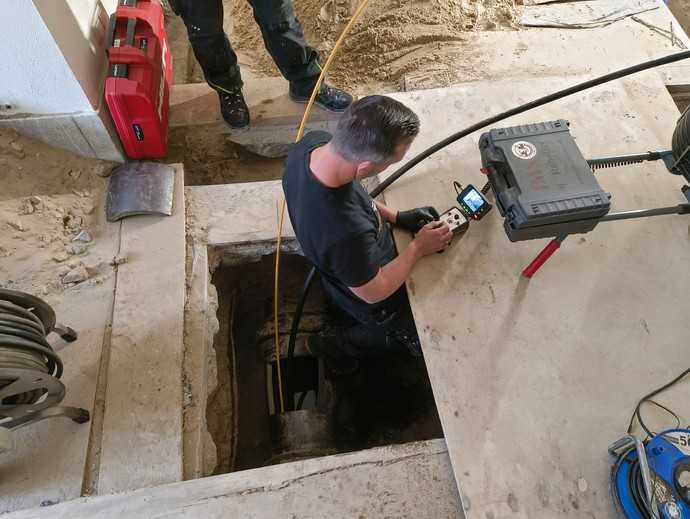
x=415, y=219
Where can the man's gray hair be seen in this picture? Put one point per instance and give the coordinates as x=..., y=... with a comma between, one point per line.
x=372, y=127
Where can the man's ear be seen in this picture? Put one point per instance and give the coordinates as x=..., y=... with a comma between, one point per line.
x=366, y=168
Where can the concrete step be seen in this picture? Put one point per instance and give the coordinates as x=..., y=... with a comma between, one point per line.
x=410, y=480
x=275, y=118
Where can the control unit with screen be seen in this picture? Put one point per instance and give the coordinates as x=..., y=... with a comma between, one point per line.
x=472, y=202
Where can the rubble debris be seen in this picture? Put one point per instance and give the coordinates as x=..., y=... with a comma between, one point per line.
x=83, y=236
x=27, y=207
x=103, y=170
x=16, y=224
x=72, y=222
x=60, y=256
x=76, y=275
x=118, y=260
x=76, y=249
x=16, y=149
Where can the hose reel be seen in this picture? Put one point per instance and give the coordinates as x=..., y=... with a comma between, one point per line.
x=30, y=369
x=680, y=144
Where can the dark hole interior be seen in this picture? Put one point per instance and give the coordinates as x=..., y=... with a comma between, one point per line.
x=388, y=400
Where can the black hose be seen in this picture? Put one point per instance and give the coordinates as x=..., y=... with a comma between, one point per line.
x=635, y=484
x=297, y=317
x=614, y=476
x=638, y=492
x=459, y=135
x=523, y=108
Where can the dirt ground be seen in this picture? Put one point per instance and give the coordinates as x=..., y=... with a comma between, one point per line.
x=49, y=197
x=681, y=10
x=210, y=158
x=392, y=39
x=396, y=45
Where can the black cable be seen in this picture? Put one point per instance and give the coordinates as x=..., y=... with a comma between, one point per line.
x=636, y=412
x=523, y=108
x=296, y=318
x=669, y=411
x=637, y=490
x=635, y=484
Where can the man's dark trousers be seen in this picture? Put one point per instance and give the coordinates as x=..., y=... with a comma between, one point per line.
x=282, y=35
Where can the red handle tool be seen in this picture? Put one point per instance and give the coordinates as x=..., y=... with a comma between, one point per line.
x=543, y=256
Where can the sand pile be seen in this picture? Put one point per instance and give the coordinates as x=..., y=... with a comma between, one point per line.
x=50, y=215
x=392, y=39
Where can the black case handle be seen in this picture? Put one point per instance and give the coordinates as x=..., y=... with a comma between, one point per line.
x=131, y=30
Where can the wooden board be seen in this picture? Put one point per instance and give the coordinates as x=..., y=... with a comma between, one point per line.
x=533, y=380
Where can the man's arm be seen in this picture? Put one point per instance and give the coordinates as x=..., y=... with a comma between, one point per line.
x=387, y=214
x=433, y=237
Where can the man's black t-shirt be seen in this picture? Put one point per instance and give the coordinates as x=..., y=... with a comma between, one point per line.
x=340, y=229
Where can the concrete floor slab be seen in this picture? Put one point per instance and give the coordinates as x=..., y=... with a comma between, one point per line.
x=142, y=430
x=533, y=380
x=47, y=462
x=238, y=213
x=90, y=134
x=411, y=480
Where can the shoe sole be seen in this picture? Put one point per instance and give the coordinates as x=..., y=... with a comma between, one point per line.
x=320, y=105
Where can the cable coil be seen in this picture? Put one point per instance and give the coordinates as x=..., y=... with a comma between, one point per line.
x=680, y=144
x=23, y=345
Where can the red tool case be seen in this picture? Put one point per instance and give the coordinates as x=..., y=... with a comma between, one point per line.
x=137, y=90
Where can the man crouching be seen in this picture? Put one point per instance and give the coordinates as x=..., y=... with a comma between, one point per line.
x=347, y=235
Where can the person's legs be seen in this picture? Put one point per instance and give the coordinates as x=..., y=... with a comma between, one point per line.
x=297, y=61
x=388, y=333
x=204, y=22
x=370, y=334
x=284, y=40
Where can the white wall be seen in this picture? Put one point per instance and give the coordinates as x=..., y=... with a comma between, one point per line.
x=34, y=76
x=52, y=74
x=79, y=28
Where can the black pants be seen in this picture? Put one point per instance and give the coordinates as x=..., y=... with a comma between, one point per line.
x=282, y=33
x=372, y=333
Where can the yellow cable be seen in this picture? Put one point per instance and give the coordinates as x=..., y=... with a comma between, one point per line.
x=358, y=12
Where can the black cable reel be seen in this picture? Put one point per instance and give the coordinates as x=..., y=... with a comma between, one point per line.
x=30, y=370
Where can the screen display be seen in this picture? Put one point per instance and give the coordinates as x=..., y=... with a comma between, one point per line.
x=473, y=200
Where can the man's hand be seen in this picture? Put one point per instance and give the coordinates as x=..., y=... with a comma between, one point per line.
x=414, y=219
x=433, y=237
